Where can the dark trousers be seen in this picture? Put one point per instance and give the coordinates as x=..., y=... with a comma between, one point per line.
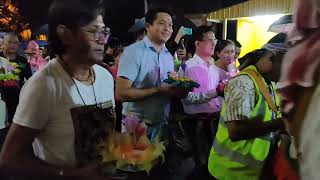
x=3, y=134
x=201, y=129
x=119, y=116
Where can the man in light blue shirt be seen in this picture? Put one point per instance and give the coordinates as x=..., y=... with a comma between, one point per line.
x=142, y=69
x=146, y=68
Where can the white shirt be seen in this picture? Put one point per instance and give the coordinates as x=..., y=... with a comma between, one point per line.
x=3, y=114
x=3, y=108
x=45, y=103
x=203, y=99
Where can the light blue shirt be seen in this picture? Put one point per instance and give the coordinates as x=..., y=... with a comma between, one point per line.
x=141, y=64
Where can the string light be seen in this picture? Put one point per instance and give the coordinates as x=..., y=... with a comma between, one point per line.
x=10, y=19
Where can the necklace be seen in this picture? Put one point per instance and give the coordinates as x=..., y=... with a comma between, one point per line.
x=65, y=66
x=94, y=93
x=86, y=78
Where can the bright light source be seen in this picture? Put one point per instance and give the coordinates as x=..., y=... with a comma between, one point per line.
x=266, y=19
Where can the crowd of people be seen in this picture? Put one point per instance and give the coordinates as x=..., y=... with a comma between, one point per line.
x=21, y=66
x=255, y=121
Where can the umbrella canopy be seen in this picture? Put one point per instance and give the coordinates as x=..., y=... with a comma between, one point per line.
x=284, y=24
x=42, y=30
x=139, y=24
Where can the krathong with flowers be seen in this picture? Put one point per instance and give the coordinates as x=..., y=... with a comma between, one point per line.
x=183, y=82
x=9, y=73
x=132, y=149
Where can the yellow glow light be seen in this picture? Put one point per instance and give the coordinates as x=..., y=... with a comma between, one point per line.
x=266, y=20
x=253, y=32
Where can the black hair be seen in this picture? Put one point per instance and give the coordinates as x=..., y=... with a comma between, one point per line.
x=237, y=43
x=152, y=14
x=252, y=58
x=200, y=31
x=198, y=35
x=220, y=46
x=117, y=51
x=114, y=42
x=73, y=14
x=279, y=38
x=139, y=33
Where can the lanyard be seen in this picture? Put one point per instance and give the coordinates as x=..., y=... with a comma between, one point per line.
x=65, y=67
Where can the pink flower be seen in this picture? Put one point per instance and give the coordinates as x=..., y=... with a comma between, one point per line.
x=173, y=74
x=140, y=130
x=131, y=122
x=134, y=127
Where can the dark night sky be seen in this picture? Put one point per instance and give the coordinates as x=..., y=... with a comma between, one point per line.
x=34, y=11
x=121, y=13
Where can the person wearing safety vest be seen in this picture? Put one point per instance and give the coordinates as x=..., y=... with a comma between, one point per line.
x=250, y=118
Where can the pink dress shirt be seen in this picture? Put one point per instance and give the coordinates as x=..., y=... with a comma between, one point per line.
x=203, y=99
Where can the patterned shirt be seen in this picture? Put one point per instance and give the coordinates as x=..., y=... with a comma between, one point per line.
x=240, y=98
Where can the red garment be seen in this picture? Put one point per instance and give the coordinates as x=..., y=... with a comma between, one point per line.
x=300, y=69
x=302, y=61
x=114, y=71
x=10, y=83
x=282, y=169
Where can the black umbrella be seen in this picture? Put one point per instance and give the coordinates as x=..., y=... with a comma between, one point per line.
x=139, y=24
x=42, y=30
x=284, y=24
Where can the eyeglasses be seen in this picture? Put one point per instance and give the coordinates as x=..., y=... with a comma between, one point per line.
x=215, y=40
x=228, y=52
x=100, y=35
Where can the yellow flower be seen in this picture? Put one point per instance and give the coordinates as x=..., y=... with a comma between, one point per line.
x=14, y=64
x=15, y=77
x=17, y=71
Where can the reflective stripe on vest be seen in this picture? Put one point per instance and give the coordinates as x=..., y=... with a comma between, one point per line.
x=238, y=157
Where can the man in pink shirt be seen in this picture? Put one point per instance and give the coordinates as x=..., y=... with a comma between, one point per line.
x=204, y=103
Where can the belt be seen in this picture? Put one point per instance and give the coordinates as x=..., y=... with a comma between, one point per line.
x=205, y=116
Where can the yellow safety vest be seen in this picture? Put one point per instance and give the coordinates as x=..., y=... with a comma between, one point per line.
x=242, y=160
